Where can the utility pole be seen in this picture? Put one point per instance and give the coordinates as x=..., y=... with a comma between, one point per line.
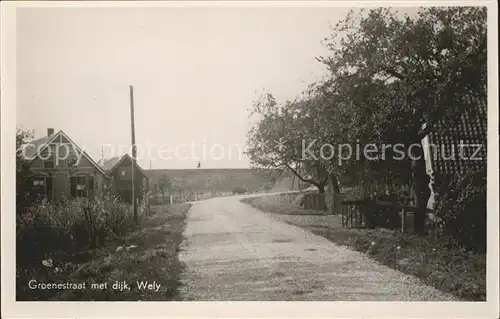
x=134, y=202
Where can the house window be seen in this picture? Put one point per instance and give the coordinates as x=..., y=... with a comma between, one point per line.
x=39, y=182
x=42, y=187
x=82, y=186
x=71, y=161
x=122, y=172
x=48, y=164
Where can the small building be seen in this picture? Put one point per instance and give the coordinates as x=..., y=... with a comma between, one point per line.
x=456, y=147
x=119, y=170
x=61, y=169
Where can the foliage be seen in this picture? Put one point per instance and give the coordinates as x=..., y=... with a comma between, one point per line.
x=276, y=141
x=461, y=207
x=428, y=61
x=147, y=252
x=164, y=184
x=47, y=229
x=389, y=74
x=23, y=174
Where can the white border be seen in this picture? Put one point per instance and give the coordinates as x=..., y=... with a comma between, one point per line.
x=12, y=309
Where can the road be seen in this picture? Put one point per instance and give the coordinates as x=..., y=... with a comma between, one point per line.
x=234, y=252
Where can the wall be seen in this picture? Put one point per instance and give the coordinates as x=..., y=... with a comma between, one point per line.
x=123, y=183
x=61, y=172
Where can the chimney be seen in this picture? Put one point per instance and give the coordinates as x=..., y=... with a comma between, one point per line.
x=50, y=131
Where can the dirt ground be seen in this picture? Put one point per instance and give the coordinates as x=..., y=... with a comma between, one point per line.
x=235, y=252
x=433, y=260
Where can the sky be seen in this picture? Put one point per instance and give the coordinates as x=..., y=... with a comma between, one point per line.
x=195, y=72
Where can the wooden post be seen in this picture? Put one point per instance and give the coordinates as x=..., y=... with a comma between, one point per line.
x=342, y=215
x=355, y=217
x=403, y=217
x=134, y=202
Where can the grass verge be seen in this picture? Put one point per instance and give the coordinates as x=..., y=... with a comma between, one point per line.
x=147, y=255
x=448, y=268
x=282, y=204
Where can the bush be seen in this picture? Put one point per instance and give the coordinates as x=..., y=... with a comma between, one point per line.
x=268, y=186
x=461, y=207
x=239, y=190
x=69, y=227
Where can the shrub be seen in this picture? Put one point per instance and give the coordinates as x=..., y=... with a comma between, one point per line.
x=69, y=227
x=461, y=207
x=239, y=190
x=268, y=186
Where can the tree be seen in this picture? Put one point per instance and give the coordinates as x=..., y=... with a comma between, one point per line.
x=422, y=64
x=23, y=173
x=164, y=185
x=276, y=141
x=389, y=75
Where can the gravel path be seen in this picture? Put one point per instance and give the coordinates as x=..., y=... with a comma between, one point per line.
x=235, y=252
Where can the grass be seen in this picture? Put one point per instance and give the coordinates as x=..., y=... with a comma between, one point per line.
x=437, y=263
x=149, y=253
x=281, y=204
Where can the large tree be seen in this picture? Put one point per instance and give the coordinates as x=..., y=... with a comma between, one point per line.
x=389, y=75
x=425, y=64
x=277, y=139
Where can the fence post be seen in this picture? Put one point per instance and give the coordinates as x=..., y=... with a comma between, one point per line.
x=356, y=218
x=342, y=215
x=403, y=218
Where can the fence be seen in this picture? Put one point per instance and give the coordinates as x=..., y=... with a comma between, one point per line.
x=375, y=213
x=314, y=201
x=352, y=214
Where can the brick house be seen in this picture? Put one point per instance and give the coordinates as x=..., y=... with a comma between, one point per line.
x=61, y=169
x=119, y=170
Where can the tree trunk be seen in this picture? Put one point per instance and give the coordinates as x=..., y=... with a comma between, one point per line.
x=321, y=197
x=420, y=181
x=334, y=191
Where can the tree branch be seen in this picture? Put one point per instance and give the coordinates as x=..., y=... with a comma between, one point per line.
x=305, y=180
x=393, y=72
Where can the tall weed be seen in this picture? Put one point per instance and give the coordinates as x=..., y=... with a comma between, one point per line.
x=69, y=227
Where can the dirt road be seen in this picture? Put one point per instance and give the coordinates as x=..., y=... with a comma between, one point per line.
x=235, y=252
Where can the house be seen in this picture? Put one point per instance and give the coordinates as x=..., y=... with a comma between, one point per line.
x=61, y=169
x=456, y=147
x=119, y=169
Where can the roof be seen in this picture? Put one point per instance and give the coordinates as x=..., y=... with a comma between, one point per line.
x=469, y=130
x=110, y=164
x=31, y=149
x=35, y=147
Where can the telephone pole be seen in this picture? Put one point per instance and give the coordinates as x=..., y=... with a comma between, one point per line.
x=134, y=202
